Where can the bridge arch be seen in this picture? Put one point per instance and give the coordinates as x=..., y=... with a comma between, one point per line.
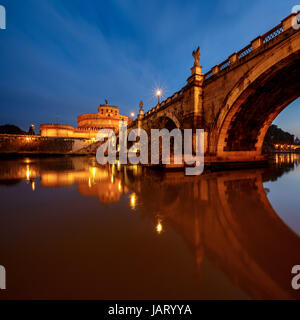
x=255, y=101
x=166, y=120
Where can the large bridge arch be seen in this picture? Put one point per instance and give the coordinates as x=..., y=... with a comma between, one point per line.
x=255, y=101
x=236, y=101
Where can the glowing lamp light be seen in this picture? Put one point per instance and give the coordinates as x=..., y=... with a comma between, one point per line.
x=158, y=94
x=159, y=227
x=132, y=114
x=33, y=185
x=27, y=173
x=132, y=201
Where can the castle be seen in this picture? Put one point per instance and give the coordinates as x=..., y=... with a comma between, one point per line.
x=89, y=124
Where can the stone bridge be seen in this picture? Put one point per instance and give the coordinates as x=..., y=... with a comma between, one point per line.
x=237, y=100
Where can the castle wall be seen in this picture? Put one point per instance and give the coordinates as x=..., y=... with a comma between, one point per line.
x=56, y=130
x=89, y=124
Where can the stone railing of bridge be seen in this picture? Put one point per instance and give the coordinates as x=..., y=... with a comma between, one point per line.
x=164, y=104
x=249, y=51
x=260, y=43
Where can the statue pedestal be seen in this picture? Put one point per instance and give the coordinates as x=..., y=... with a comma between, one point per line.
x=197, y=74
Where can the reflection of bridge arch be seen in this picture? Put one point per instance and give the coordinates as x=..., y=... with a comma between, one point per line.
x=227, y=218
x=256, y=100
x=272, y=236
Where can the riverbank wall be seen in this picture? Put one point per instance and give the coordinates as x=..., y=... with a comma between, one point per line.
x=36, y=144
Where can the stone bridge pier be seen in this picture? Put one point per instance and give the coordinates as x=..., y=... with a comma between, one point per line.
x=237, y=100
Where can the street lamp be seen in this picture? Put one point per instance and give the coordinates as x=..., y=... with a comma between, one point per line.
x=158, y=94
x=132, y=114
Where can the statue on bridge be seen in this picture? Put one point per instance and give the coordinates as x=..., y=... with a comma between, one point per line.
x=196, y=55
x=141, y=105
x=141, y=112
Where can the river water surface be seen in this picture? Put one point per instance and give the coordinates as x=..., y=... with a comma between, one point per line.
x=71, y=228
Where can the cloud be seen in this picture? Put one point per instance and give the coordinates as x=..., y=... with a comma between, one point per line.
x=72, y=55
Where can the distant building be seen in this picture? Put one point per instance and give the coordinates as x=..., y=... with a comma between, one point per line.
x=89, y=124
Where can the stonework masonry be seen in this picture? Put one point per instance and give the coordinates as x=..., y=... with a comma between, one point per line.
x=89, y=124
x=25, y=144
x=236, y=101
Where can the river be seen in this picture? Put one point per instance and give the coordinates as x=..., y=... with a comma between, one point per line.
x=72, y=229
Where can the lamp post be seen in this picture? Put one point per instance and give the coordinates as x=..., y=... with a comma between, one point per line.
x=132, y=114
x=158, y=94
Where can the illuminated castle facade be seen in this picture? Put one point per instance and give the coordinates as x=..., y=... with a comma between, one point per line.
x=89, y=124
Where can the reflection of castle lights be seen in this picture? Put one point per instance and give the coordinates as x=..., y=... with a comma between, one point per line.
x=135, y=170
x=90, y=184
x=132, y=200
x=27, y=172
x=118, y=165
x=33, y=185
x=112, y=179
x=119, y=186
x=94, y=172
x=159, y=227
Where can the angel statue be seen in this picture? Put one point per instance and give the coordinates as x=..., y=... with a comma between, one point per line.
x=196, y=55
x=141, y=105
x=106, y=101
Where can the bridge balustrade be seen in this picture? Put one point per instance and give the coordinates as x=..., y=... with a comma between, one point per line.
x=245, y=51
x=224, y=64
x=272, y=33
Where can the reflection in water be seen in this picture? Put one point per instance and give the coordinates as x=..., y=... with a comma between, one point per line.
x=132, y=201
x=159, y=227
x=287, y=158
x=239, y=246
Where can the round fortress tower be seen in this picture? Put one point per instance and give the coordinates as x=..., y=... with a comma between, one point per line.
x=107, y=117
x=89, y=124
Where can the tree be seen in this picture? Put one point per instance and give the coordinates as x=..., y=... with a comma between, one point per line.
x=276, y=135
x=10, y=129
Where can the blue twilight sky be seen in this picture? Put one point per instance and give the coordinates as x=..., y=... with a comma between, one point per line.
x=62, y=58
